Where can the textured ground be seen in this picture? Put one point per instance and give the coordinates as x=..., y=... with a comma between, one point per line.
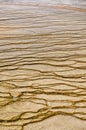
x=42, y=67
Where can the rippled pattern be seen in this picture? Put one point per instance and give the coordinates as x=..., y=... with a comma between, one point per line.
x=42, y=67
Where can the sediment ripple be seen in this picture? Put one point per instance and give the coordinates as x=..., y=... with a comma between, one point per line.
x=42, y=67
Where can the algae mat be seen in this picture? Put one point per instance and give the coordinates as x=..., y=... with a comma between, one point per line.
x=42, y=65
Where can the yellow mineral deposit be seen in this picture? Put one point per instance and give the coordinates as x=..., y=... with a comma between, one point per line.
x=42, y=65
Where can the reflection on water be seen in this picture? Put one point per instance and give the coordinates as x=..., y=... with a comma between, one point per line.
x=42, y=65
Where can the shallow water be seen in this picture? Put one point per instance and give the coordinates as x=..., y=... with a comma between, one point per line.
x=42, y=65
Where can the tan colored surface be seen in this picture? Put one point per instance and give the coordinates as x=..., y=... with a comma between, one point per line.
x=42, y=67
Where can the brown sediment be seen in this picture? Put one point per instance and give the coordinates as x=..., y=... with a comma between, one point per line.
x=43, y=69
x=68, y=7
